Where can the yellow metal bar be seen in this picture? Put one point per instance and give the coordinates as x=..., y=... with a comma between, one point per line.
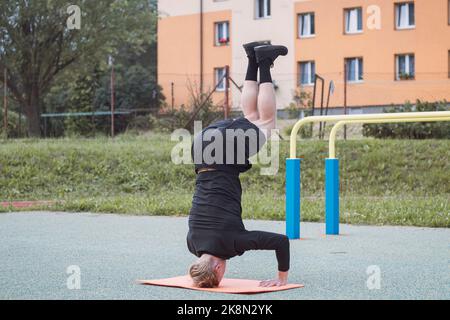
x=403, y=115
x=337, y=126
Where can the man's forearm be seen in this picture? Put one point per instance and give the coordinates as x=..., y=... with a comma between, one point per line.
x=261, y=240
x=283, y=255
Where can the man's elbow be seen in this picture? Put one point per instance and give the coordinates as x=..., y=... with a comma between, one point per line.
x=283, y=244
x=284, y=241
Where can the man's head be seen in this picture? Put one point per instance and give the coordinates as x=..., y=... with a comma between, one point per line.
x=207, y=271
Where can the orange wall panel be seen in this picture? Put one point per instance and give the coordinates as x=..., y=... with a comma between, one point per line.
x=429, y=41
x=179, y=55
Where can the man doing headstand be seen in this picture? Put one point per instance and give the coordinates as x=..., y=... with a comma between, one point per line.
x=216, y=230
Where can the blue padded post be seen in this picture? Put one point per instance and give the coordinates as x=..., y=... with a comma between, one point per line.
x=332, y=196
x=293, y=198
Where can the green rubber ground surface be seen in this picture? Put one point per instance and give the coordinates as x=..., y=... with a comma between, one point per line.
x=113, y=251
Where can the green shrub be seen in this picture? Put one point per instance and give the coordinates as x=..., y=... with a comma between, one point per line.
x=171, y=119
x=304, y=133
x=416, y=130
x=13, y=124
x=293, y=111
x=139, y=123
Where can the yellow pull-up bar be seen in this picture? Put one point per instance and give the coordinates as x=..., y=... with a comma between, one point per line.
x=337, y=126
x=379, y=116
x=293, y=184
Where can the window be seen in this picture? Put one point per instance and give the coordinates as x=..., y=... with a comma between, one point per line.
x=306, y=25
x=354, y=69
x=219, y=74
x=262, y=9
x=353, y=20
x=222, y=33
x=307, y=72
x=405, y=67
x=404, y=15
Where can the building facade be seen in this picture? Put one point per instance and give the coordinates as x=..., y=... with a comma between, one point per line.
x=370, y=53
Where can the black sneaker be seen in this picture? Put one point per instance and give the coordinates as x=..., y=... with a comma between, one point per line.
x=250, y=47
x=270, y=52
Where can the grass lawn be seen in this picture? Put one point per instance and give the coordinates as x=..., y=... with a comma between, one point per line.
x=395, y=182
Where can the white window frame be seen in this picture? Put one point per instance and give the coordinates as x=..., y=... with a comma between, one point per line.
x=348, y=14
x=398, y=8
x=266, y=14
x=225, y=33
x=218, y=73
x=358, y=66
x=311, y=75
x=407, y=65
x=306, y=16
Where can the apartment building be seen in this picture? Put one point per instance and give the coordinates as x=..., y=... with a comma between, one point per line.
x=373, y=52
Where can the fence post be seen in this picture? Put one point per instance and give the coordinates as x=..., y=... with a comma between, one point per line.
x=112, y=97
x=227, y=93
x=5, y=102
x=172, y=85
x=345, y=96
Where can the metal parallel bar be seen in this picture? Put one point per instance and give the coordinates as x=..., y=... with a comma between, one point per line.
x=337, y=126
x=382, y=116
x=332, y=169
x=293, y=201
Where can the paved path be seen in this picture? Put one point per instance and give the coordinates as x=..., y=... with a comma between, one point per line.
x=114, y=250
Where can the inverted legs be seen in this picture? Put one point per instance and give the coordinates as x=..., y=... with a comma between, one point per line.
x=249, y=100
x=259, y=104
x=266, y=107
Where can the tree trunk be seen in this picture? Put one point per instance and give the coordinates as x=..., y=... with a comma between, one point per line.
x=33, y=113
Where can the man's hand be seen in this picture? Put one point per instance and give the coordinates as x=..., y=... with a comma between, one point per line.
x=281, y=281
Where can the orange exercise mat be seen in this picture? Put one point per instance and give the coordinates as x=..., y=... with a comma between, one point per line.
x=237, y=286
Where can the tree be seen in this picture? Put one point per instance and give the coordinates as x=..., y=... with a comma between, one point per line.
x=88, y=90
x=36, y=44
x=85, y=87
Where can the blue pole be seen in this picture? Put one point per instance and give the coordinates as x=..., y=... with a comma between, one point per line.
x=293, y=198
x=332, y=196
